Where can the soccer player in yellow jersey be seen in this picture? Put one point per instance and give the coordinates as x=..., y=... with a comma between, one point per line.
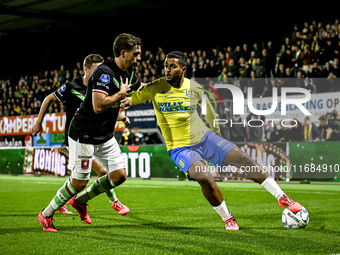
x=189, y=140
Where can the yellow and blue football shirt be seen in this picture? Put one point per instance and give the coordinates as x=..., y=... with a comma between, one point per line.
x=176, y=111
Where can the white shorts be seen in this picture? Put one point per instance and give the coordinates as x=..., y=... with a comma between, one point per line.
x=81, y=156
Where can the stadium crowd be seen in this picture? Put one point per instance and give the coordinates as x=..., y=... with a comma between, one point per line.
x=307, y=58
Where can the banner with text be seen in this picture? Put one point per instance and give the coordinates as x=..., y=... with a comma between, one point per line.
x=53, y=123
x=273, y=157
x=142, y=116
x=46, y=161
x=318, y=105
x=22, y=125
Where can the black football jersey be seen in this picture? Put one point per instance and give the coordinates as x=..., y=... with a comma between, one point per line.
x=97, y=128
x=73, y=94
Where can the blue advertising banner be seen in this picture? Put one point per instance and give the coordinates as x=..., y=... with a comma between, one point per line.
x=142, y=116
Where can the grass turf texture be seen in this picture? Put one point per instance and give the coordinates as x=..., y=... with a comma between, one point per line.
x=168, y=217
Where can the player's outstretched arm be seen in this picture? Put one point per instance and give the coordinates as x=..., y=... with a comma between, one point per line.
x=102, y=102
x=36, y=128
x=125, y=103
x=124, y=119
x=143, y=94
x=211, y=116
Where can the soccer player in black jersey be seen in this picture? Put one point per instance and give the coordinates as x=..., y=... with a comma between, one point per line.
x=91, y=131
x=73, y=94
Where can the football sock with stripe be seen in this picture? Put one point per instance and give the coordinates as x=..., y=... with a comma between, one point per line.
x=102, y=184
x=64, y=194
x=273, y=188
x=223, y=211
x=111, y=195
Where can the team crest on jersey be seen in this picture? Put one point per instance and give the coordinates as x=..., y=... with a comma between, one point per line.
x=105, y=78
x=62, y=88
x=85, y=164
x=189, y=93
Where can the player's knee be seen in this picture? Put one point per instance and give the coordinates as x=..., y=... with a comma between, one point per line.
x=242, y=159
x=206, y=182
x=120, y=180
x=78, y=185
x=102, y=171
x=118, y=177
x=123, y=178
x=246, y=160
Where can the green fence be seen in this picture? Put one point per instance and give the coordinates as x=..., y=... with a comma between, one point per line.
x=12, y=161
x=309, y=161
x=150, y=161
x=315, y=161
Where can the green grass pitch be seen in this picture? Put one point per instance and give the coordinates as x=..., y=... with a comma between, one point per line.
x=168, y=217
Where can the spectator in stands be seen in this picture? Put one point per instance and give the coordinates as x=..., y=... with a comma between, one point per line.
x=257, y=84
x=193, y=71
x=328, y=47
x=213, y=54
x=281, y=72
x=252, y=59
x=256, y=132
x=305, y=30
x=238, y=53
x=306, y=57
x=138, y=137
x=318, y=55
x=223, y=74
x=287, y=58
x=336, y=117
x=259, y=68
x=23, y=106
x=293, y=36
x=326, y=72
x=6, y=110
x=272, y=56
x=288, y=80
x=200, y=70
x=333, y=74
x=230, y=51
x=296, y=131
x=265, y=60
x=287, y=43
x=300, y=79
x=296, y=50
x=233, y=70
x=238, y=132
x=268, y=89
x=127, y=137
x=78, y=70
x=310, y=131
x=329, y=130
x=62, y=74
x=17, y=109
x=271, y=133
x=315, y=71
x=316, y=41
x=311, y=33
x=228, y=57
x=283, y=134
x=245, y=52
x=212, y=69
x=220, y=59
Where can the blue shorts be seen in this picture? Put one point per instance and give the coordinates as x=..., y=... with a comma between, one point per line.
x=212, y=148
